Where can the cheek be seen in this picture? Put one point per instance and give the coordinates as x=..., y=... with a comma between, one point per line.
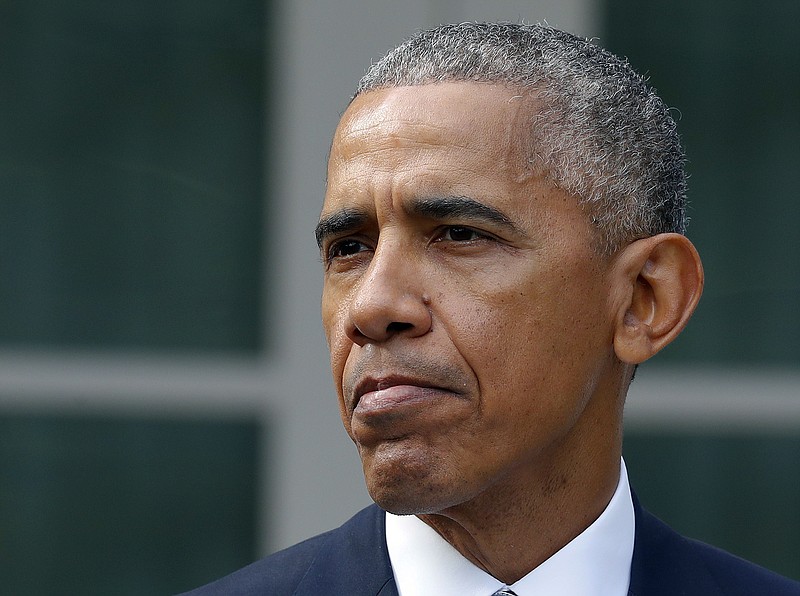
x=340, y=348
x=334, y=314
x=531, y=335
x=340, y=351
x=339, y=345
x=328, y=313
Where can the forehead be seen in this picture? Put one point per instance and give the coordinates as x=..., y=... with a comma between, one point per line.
x=484, y=118
x=453, y=137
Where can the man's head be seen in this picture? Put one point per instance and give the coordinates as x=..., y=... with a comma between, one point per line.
x=481, y=338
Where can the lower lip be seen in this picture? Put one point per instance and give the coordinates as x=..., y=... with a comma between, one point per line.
x=393, y=398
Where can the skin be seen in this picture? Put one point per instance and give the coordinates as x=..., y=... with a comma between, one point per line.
x=475, y=332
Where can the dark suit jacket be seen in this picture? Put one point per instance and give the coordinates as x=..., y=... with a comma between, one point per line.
x=353, y=561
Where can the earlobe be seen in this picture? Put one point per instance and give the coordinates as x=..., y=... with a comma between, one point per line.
x=658, y=281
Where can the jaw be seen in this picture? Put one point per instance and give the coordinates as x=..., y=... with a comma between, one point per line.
x=435, y=473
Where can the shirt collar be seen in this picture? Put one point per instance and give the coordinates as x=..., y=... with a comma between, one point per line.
x=597, y=562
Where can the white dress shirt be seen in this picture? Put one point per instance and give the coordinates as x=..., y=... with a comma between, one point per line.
x=597, y=562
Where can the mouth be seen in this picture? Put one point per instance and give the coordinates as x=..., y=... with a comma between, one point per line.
x=375, y=396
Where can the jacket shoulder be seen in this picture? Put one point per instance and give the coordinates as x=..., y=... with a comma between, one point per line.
x=278, y=573
x=668, y=564
x=282, y=572
x=738, y=576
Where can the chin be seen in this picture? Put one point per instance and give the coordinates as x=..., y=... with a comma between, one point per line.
x=410, y=477
x=405, y=502
x=404, y=493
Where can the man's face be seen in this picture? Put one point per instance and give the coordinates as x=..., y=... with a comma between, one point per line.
x=465, y=307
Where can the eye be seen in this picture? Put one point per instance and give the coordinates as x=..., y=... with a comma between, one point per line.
x=345, y=248
x=460, y=234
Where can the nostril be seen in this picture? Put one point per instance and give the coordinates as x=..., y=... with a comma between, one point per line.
x=397, y=327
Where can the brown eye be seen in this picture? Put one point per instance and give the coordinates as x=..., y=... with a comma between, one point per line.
x=345, y=248
x=460, y=234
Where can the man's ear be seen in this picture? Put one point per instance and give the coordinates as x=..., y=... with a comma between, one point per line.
x=657, y=284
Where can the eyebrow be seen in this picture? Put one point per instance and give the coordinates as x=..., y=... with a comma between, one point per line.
x=440, y=208
x=462, y=208
x=339, y=223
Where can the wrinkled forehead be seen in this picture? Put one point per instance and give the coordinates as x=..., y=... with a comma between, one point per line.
x=482, y=117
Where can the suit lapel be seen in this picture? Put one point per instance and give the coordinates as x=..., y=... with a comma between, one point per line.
x=353, y=560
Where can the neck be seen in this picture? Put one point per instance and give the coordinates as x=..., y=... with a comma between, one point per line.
x=523, y=520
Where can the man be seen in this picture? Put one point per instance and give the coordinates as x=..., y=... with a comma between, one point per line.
x=502, y=237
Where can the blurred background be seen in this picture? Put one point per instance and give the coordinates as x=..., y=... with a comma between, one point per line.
x=166, y=412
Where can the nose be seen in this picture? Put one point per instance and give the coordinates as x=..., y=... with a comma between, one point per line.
x=388, y=300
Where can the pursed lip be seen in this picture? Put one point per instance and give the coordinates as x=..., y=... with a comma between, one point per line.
x=376, y=394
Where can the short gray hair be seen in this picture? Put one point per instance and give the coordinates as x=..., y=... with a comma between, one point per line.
x=602, y=134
